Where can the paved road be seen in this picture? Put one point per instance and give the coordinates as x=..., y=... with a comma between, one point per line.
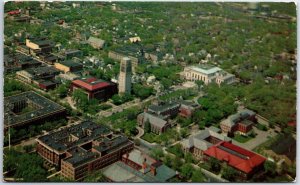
x=141, y=132
x=261, y=137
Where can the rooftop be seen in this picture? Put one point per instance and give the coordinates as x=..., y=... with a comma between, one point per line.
x=200, y=141
x=237, y=157
x=205, y=69
x=74, y=135
x=43, y=106
x=91, y=83
x=70, y=63
x=163, y=107
x=239, y=116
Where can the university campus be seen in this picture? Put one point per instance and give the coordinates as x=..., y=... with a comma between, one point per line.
x=149, y=92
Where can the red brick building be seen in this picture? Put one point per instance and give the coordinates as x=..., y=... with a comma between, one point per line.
x=95, y=88
x=244, y=161
x=240, y=123
x=82, y=148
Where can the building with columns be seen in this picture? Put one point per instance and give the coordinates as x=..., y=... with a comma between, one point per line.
x=208, y=74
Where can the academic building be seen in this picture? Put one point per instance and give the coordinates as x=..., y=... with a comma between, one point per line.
x=83, y=148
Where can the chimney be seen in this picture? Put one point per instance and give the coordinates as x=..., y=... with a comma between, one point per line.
x=153, y=170
x=144, y=166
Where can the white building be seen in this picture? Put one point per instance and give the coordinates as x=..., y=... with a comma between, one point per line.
x=207, y=74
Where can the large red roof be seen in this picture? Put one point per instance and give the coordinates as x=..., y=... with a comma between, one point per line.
x=235, y=156
x=90, y=84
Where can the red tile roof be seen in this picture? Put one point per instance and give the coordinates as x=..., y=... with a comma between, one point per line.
x=91, y=84
x=235, y=156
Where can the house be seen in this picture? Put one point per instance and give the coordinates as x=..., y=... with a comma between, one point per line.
x=47, y=84
x=82, y=148
x=96, y=42
x=95, y=88
x=73, y=53
x=207, y=74
x=200, y=142
x=244, y=161
x=240, y=123
x=68, y=66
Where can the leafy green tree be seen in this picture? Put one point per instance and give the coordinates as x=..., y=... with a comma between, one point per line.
x=214, y=164
x=147, y=126
x=157, y=153
x=198, y=176
x=270, y=167
x=187, y=170
x=229, y=173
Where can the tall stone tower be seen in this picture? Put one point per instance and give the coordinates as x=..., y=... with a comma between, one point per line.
x=125, y=76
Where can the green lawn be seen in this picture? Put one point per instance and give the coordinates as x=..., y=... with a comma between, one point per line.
x=242, y=139
x=150, y=137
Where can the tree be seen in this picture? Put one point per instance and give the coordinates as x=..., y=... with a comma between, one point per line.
x=214, y=164
x=177, y=163
x=96, y=176
x=62, y=90
x=157, y=153
x=187, y=170
x=270, y=167
x=198, y=176
x=188, y=157
x=147, y=126
x=199, y=83
x=229, y=173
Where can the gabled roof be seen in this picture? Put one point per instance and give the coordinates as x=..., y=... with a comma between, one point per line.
x=154, y=120
x=198, y=140
x=235, y=156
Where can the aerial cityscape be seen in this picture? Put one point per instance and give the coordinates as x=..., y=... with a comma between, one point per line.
x=149, y=91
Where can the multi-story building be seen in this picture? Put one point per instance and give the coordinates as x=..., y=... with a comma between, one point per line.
x=244, y=161
x=135, y=52
x=207, y=74
x=240, y=123
x=158, y=124
x=95, y=88
x=68, y=66
x=39, y=45
x=44, y=77
x=166, y=110
x=187, y=108
x=198, y=143
x=15, y=62
x=125, y=76
x=83, y=148
x=30, y=108
x=33, y=74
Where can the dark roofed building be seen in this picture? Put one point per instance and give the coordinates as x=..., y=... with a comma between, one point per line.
x=68, y=66
x=19, y=61
x=41, y=73
x=83, y=148
x=95, y=88
x=30, y=108
x=135, y=52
